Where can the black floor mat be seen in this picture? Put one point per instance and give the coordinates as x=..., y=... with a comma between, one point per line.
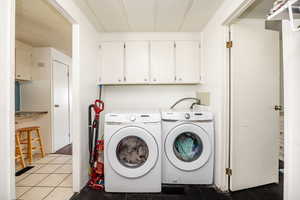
x=22, y=171
x=173, y=189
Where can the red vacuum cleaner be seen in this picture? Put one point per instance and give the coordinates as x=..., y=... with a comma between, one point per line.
x=96, y=147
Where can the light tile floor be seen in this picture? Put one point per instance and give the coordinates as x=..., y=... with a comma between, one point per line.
x=50, y=179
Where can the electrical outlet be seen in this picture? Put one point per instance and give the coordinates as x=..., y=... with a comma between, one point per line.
x=204, y=97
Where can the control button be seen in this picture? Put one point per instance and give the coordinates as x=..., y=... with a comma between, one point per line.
x=187, y=116
x=132, y=118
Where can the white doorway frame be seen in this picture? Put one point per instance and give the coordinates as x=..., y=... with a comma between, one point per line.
x=74, y=95
x=7, y=104
x=7, y=98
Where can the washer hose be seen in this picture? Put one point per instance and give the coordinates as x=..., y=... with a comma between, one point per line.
x=198, y=101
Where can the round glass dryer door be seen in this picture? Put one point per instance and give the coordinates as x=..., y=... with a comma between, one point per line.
x=132, y=152
x=188, y=147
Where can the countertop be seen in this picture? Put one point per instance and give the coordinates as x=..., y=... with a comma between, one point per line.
x=20, y=115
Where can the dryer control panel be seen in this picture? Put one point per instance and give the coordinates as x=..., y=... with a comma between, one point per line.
x=186, y=115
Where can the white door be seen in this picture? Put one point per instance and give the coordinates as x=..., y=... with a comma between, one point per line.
x=112, y=63
x=162, y=62
x=187, y=61
x=61, y=133
x=137, y=62
x=255, y=79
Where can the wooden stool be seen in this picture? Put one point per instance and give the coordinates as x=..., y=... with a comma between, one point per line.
x=19, y=153
x=30, y=141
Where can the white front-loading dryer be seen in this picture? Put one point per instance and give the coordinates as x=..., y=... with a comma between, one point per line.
x=132, y=152
x=188, y=147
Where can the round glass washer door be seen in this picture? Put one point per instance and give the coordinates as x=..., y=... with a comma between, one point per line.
x=188, y=147
x=132, y=152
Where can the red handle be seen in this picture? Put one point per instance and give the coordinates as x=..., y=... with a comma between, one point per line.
x=99, y=106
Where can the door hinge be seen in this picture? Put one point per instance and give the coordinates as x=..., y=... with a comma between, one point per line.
x=124, y=46
x=174, y=45
x=229, y=44
x=228, y=172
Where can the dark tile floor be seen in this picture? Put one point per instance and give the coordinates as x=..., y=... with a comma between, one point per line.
x=66, y=150
x=269, y=192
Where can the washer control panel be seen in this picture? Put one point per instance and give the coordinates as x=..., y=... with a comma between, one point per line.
x=132, y=117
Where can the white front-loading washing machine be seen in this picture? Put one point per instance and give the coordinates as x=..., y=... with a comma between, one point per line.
x=188, y=147
x=132, y=152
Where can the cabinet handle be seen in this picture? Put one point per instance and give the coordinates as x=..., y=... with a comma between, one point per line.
x=124, y=78
x=119, y=80
x=18, y=75
x=56, y=105
x=180, y=79
x=154, y=79
x=145, y=79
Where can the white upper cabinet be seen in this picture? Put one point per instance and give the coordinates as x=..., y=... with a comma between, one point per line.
x=162, y=62
x=187, y=54
x=137, y=62
x=23, y=61
x=144, y=62
x=112, y=63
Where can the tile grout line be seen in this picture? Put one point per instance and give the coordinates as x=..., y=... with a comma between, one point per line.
x=34, y=185
x=56, y=187
x=43, y=165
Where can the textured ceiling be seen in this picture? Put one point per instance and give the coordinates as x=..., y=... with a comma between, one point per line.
x=40, y=25
x=149, y=15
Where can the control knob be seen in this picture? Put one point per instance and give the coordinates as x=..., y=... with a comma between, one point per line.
x=132, y=118
x=187, y=116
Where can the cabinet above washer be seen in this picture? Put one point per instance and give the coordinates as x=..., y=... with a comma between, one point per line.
x=149, y=62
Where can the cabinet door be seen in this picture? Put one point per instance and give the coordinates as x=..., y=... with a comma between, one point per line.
x=187, y=62
x=162, y=62
x=112, y=63
x=23, y=63
x=137, y=62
